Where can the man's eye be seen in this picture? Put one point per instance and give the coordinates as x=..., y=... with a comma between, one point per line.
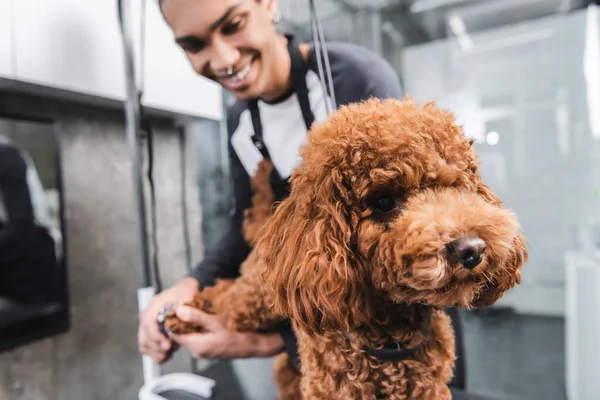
x=232, y=27
x=193, y=47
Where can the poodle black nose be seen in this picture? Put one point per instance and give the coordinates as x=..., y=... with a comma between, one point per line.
x=468, y=250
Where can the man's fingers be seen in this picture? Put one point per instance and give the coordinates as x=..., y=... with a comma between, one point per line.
x=198, y=318
x=156, y=340
x=158, y=355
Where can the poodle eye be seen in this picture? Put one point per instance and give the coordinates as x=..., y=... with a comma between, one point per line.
x=384, y=204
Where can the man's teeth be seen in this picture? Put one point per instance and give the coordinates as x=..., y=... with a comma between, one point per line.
x=241, y=75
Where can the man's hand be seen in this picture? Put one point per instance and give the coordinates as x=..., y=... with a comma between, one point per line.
x=150, y=340
x=219, y=342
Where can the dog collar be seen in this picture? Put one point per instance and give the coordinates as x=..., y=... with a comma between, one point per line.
x=389, y=352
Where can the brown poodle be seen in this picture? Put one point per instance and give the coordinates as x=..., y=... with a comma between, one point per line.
x=388, y=222
x=240, y=303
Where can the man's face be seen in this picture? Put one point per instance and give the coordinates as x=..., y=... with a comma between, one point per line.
x=229, y=41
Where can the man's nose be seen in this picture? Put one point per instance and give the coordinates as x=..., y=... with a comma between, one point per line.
x=223, y=56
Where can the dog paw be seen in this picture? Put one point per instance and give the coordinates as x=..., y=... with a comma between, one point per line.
x=169, y=324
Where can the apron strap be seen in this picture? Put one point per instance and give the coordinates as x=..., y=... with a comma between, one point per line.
x=298, y=72
x=257, y=137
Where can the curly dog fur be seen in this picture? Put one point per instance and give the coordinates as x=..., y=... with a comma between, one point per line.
x=240, y=303
x=363, y=253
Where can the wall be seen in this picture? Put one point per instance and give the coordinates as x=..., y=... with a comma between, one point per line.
x=72, y=46
x=98, y=357
x=527, y=84
x=6, y=65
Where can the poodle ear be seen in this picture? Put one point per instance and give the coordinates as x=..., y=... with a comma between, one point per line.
x=311, y=274
x=510, y=274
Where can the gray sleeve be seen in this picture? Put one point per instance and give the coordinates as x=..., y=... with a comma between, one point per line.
x=223, y=261
x=359, y=73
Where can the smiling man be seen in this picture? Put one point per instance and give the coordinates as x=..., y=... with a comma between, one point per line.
x=279, y=95
x=232, y=43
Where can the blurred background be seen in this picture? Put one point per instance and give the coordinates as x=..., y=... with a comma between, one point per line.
x=522, y=76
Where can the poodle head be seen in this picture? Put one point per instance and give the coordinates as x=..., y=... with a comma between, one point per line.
x=387, y=205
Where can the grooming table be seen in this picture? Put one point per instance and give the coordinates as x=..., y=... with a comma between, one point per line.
x=178, y=386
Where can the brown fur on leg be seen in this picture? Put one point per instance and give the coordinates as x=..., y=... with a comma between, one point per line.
x=203, y=300
x=287, y=378
x=262, y=202
x=240, y=303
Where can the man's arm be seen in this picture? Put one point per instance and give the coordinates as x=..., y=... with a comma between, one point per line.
x=359, y=73
x=224, y=260
x=220, y=262
x=381, y=81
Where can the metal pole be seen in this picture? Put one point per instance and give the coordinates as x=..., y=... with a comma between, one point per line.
x=317, y=44
x=132, y=115
x=325, y=54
